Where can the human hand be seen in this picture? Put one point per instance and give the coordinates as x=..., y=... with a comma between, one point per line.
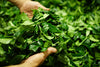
x=37, y=59
x=28, y=6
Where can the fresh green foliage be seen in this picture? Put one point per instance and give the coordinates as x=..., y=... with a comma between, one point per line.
x=71, y=26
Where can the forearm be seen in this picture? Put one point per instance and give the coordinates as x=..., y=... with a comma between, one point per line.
x=18, y=3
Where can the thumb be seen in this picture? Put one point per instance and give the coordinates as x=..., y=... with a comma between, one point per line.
x=49, y=51
x=37, y=59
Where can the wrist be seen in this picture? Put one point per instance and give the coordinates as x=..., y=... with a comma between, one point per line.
x=18, y=3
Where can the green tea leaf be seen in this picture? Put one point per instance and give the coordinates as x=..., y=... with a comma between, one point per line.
x=27, y=23
x=33, y=47
x=5, y=40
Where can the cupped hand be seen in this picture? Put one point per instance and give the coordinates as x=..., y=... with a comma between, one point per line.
x=28, y=6
x=37, y=59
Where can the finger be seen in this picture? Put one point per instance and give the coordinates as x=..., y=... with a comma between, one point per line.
x=30, y=14
x=41, y=6
x=39, y=58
